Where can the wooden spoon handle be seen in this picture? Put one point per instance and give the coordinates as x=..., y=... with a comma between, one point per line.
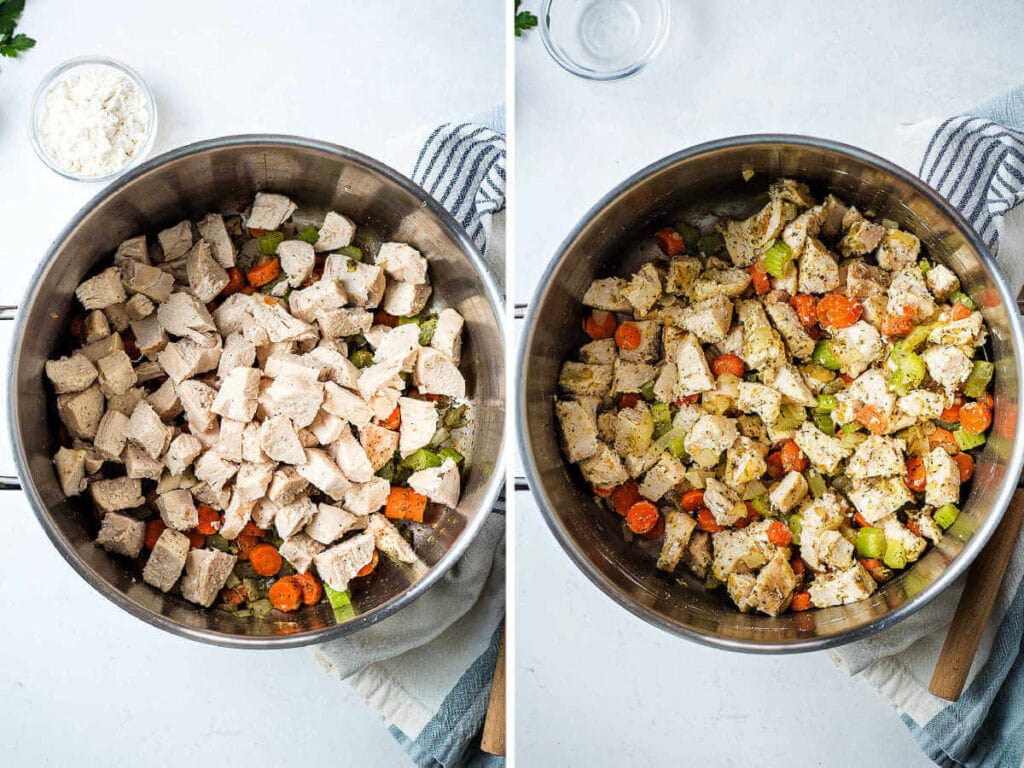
x=983, y=581
x=493, y=740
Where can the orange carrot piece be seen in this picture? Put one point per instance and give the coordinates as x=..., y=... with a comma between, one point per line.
x=975, y=418
x=285, y=594
x=251, y=529
x=670, y=241
x=706, y=521
x=657, y=531
x=806, y=307
x=641, y=517
x=944, y=438
x=838, y=311
x=692, y=500
x=236, y=282
x=627, y=336
x=209, y=520
x=370, y=567
x=959, y=312
x=394, y=420
x=383, y=318
x=728, y=364
x=801, y=601
x=265, y=559
x=625, y=496
x=230, y=596
x=245, y=545
x=312, y=591
x=599, y=325
x=153, y=530
x=965, y=464
x=917, y=477
x=759, y=278
x=779, y=534
x=405, y=504
x=793, y=459
x=196, y=540
x=263, y=273
x=872, y=418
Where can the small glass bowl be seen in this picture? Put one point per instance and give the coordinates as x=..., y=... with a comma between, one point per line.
x=39, y=107
x=604, y=39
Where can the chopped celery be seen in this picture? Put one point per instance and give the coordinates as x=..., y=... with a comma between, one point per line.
x=909, y=373
x=455, y=417
x=387, y=472
x=691, y=235
x=823, y=355
x=968, y=440
x=850, y=428
x=946, y=515
x=439, y=437
x=427, y=328
x=216, y=541
x=778, y=259
x=308, y=235
x=408, y=321
x=647, y=391
x=924, y=265
x=711, y=244
x=761, y=504
x=677, y=447
x=915, y=338
x=870, y=543
x=959, y=297
x=422, y=459
x=895, y=555
x=979, y=379
x=268, y=242
x=826, y=403
x=662, y=419
x=451, y=453
x=816, y=483
x=361, y=358
x=353, y=252
x=340, y=602
x=791, y=416
x=823, y=421
x=261, y=608
x=796, y=527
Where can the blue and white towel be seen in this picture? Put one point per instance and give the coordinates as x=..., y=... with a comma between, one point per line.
x=977, y=162
x=427, y=669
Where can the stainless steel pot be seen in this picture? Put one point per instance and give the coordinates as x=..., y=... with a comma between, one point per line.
x=223, y=174
x=707, y=178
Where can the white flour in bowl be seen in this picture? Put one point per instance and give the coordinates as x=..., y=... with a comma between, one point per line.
x=95, y=120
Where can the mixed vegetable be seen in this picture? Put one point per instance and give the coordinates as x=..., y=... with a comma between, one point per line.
x=263, y=403
x=788, y=403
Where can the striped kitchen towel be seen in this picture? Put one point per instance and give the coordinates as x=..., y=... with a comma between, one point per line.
x=977, y=162
x=427, y=669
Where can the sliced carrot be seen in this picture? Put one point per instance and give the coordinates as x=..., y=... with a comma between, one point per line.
x=806, y=307
x=405, y=504
x=285, y=594
x=263, y=273
x=153, y=530
x=862, y=521
x=641, y=517
x=691, y=399
x=209, y=520
x=987, y=400
x=670, y=241
x=627, y=336
x=230, y=596
x=801, y=601
x=251, y=529
x=879, y=572
x=759, y=278
x=951, y=415
x=917, y=477
x=657, y=531
x=913, y=527
x=371, y=566
x=629, y=400
x=959, y=312
x=779, y=534
x=793, y=459
x=965, y=464
x=775, y=468
x=248, y=290
x=602, y=492
x=838, y=311
x=625, y=496
x=600, y=325
x=310, y=586
x=872, y=418
x=728, y=364
x=692, y=500
x=196, y=540
x=706, y=521
x=898, y=325
x=245, y=545
x=846, y=378
x=394, y=420
x=265, y=559
x=383, y=318
x=236, y=282
x=944, y=438
x=798, y=566
x=975, y=418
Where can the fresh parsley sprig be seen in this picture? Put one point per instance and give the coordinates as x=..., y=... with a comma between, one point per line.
x=12, y=44
x=524, y=20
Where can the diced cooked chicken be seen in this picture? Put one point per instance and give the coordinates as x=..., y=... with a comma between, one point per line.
x=419, y=423
x=863, y=280
x=339, y=323
x=70, y=466
x=117, y=494
x=744, y=461
x=126, y=403
x=206, y=572
x=819, y=270
x=269, y=212
x=230, y=437
x=150, y=337
x=679, y=528
x=607, y=294
x=97, y=326
x=139, y=465
x=787, y=322
x=861, y=238
x=898, y=250
x=405, y=299
x=723, y=502
x=790, y=384
x=789, y=492
x=340, y=564
x=350, y=457
x=943, y=478
x=693, y=375
x=824, y=451
x=643, y=290
x=337, y=232
x=117, y=316
x=132, y=249
x=71, y=374
x=941, y=281
x=299, y=550
x=138, y=307
x=238, y=394
x=268, y=314
x=388, y=539
x=102, y=347
x=662, y=477
x=439, y=484
x=947, y=365
x=213, y=230
x=280, y=442
x=320, y=470
x=913, y=545
x=379, y=443
x=196, y=399
x=101, y=291
x=604, y=468
x=166, y=560
x=720, y=282
x=579, y=430
x=346, y=405
x=147, y=430
x=908, y=291
x=402, y=262
x=213, y=470
x=841, y=587
x=436, y=374
x=447, y=338
x=252, y=481
x=762, y=345
x=747, y=546
x=183, y=450
x=879, y=497
x=647, y=350
x=586, y=380
x=111, y=435
x=366, y=498
x=857, y=347
x=364, y=284
x=709, y=320
x=175, y=241
x=775, y=585
x=878, y=456
x=177, y=510
x=330, y=523
x=709, y=437
x=206, y=277
x=747, y=240
x=116, y=374
x=757, y=398
x=185, y=315
x=297, y=260
x=286, y=485
x=867, y=389
x=294, y=516
x=922, y=404
x=148, y=281
x=299, y=399
x=121, y=534
x=681, y=273
x=965, y=334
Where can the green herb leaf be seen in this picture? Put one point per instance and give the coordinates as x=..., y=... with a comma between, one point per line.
x=524, y=20
x=16, y=45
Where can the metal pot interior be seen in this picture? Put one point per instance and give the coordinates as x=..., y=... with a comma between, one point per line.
x=707, y=180
x=224, y=175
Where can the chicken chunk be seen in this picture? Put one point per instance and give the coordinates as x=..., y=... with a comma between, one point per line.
x=898, y=250
x=604, y=469
x=757, y=398
x=350, y=457
x=693, y=375
x=787, y=322
x=441, y=485
x=948, y=366
x=710, y=436
x=607, y=294
x=943, y=478
x=379, y=443
x=723, y=502
x=841, y=587
x=447, y=338
x=419, y=423
x=879, y=497
x=405, y=299
x=662, y=477
x=436, y=374
x=121, y=534
x=679, y=528
x=643, y=290
x=337, y=232
x=71, y=374
x=941, y=282
x=789, y=492
x=299, y=550
x=206, y=572
x=856, y=347
x=320, y=470
x=340, y=564
x=745, y=461
x=117, y=494
x=147, y=430
x=102, y=291
x=166, y=560
x=402, y=262
x=824, y=451
x=709, y=320
x=818, y=270
x=861, y=238
x=366, y=498
x=294, y=516
x=70, y=466
x=269, y=212
x=116, y=374
x=177, y=510
x=878, y=456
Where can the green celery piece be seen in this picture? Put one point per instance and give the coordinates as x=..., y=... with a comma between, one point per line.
x=823, y=355
x=796, y=527
x=850, y=428
x=261, y=608
x=778, y=259
x=217, y=541
x=816, y=483
x=647, y=391
x=870, y=543
x=451, y=453
x=268, y=242
x=387, y=472
x=662, y=419
x=408, y=320
x=826, y=403
x=979, y=379
x=455, y=417
x=427, y=328
x=914, y=339
x=691, y=235
x=924, y=265
x=353, y=252
x=308, y=235
x=762, y=505
x=968, y=440
x=946, y=515
x=711, y=244
x=959, y=297
x=677, y=447
x=341, y=603
x=791, y=417
x=913, y=369
x=422, y=459
x=361, y=358
x=895, y=555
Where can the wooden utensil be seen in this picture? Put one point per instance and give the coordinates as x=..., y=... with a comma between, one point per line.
x=983, y=581
x=493, y=740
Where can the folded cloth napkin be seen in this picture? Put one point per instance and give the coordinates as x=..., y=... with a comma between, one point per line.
x=977, y=162
x=427, y=669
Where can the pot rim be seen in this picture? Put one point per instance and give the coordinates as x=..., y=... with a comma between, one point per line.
x=323, y=634
x=800, y=645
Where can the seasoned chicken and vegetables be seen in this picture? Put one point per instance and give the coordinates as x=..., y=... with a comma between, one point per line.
x=788, y=404
x=258, y=404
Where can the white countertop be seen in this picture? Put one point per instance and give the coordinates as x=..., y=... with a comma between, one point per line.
x=80, y=681
x=595, y=685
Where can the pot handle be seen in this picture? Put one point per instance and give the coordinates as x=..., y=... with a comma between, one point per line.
x=8, y=482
